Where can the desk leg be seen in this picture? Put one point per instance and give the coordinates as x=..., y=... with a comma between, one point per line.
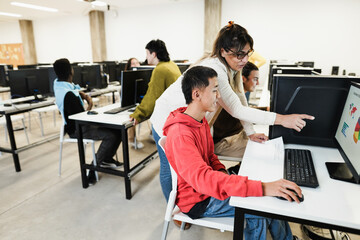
x=238, y=224
x=124, y=137
x=84, y=179
x=13, y=143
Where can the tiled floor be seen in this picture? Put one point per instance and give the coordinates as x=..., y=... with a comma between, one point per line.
x=38, y=204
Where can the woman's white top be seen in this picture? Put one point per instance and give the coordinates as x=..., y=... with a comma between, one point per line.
x=173, y=98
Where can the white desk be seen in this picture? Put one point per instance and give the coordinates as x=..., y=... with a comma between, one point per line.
x=19, y=107
x=334, y=204
x=119, y=121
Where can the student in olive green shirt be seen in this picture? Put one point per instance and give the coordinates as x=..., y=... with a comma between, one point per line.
x=164, y=74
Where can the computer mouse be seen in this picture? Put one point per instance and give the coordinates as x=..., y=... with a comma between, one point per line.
x=92, y=112
x=300, y=198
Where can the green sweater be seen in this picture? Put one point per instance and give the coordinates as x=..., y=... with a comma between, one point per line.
x=163, y=75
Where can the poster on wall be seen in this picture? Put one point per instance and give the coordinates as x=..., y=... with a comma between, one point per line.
x=12, y=54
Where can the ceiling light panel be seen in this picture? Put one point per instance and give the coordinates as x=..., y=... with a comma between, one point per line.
x=10, y=14
x=36, y=7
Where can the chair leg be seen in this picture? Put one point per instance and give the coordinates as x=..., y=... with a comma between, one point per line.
x=135, y=138
x=182, y=227
x=60, y=157
x=94, y=160
x=27, y=137
x=41, y=125
x=165, y=230
x=29, y=120
x=54, y=116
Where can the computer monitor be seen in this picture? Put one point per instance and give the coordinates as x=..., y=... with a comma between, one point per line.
x=3, y=80
x=29, y=82
x=288, y=70
x=317, y=95
x=91, y=77
x=347, y=139
x=183, y=67
x=306, y=64
x=77, y=76
x=134, y=85
x=27, y=66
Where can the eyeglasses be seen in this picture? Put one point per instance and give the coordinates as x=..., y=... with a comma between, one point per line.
x=240, y=55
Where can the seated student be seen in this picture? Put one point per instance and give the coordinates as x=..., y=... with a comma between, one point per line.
x=164, y=74
x=70, y=101
x=230, y=139
x=132, y=63
x=204, y=187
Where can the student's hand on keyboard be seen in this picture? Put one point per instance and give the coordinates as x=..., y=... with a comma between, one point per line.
x=293, y=121
x=279, y=189
x=258, y=137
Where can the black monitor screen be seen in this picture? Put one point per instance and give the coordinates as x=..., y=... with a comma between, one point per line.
x=91, y=77
x=183, y=67
x=319, y=96
x=3, y=80
x=27, y=82
x=287, y=70
x=134, y=85
x=347, y=134
x=28, y=66
x=77, y=76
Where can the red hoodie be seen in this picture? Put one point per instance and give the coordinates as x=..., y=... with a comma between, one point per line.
x=190, y=150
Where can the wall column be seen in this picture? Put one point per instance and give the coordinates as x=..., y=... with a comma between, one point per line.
x=212, y=23
x=97, y=30
x=28, y=41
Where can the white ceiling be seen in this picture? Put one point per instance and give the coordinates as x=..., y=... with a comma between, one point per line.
x=68, y=7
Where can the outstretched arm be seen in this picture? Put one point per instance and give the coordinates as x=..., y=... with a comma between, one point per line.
x=294, y=121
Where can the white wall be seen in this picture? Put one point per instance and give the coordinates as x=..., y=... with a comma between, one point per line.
x=178, y=24
x=63, y=37
x=10, y=32
x=324, y=31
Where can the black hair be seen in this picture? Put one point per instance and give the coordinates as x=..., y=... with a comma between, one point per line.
x=159, y=48
x=62, y=68
x=248, y=68
x=196, y=77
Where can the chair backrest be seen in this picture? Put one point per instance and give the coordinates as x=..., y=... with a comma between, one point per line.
x=172, y=196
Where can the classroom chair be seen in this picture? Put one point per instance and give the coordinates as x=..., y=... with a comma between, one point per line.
x=14, y=118
x=40, y=111
x=173, y=212
x=74, y=140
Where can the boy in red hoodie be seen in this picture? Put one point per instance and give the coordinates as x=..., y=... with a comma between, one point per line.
x=204, y=187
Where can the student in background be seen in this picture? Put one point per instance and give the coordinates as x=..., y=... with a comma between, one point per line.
x=70, y=101
x=164, y=74
x=230, y=139
x=133, y=63
x=258, y=61
x=204, y=187
x=231, y=51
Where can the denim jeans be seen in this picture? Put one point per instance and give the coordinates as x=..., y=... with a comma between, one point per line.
x=256, y=226
x=165, y=173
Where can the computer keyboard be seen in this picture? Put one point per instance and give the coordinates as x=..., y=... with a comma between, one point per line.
x=118, y=109
x=299, y=168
